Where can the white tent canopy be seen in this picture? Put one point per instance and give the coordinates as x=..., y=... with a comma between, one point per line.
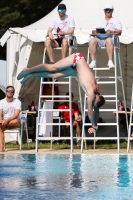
x=25, y=45
x=86, y=13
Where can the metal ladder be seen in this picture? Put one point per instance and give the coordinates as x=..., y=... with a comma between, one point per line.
x=68, y=82
x=110, y=80
x=130, y=123
x=51, y=138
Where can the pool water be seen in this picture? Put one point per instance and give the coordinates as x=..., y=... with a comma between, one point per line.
x=69, y=177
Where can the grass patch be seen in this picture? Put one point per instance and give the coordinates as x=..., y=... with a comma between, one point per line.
x=61, y=145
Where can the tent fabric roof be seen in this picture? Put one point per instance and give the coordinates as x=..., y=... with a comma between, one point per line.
x=85, y=13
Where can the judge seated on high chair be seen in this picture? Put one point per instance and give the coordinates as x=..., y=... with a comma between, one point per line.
x=10, y=108
x=111, y=26
x=63, y=24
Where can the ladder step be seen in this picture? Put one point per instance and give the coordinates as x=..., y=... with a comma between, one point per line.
x=65, y=82
x=109, y=77
x=104, y=68
x=54, y=96
x=108, y=110
x=40, y=110
x=106, y=82
x=56, y=124
x=101, y=124
x=103, y=138
x=105, y=110
x=109, y=100
x=109, y=96
x=54, y=138
x=55, y=100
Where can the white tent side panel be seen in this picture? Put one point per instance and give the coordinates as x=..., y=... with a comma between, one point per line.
x=30, y=90
x=23, y=62
x=11, y=50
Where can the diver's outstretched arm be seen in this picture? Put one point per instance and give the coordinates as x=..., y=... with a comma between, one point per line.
x=58, y=66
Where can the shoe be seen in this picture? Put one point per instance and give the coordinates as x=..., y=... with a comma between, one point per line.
x=92, y=64
x=79, y=143
x=110, y=64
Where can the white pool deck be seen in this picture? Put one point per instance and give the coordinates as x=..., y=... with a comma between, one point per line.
x=66, y=151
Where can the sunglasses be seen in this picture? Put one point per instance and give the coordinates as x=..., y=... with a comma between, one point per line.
x=61, y=10
x=10, y=91
x=108, y=9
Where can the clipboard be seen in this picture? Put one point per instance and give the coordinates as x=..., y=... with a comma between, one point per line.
x=100, y=30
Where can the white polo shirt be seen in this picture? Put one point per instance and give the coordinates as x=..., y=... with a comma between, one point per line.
x=9, y=108
x=64, y=24
x=112, y=24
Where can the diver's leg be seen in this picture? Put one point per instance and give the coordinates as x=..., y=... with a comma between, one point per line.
x=58, y=66
x=63, y=73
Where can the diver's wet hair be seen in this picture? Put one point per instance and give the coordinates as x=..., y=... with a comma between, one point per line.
x=97, y=92
x=101, y=102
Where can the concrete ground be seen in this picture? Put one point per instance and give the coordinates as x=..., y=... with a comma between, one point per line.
x=67, y=151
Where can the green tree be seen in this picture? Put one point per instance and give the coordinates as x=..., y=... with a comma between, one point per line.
x=21, y=13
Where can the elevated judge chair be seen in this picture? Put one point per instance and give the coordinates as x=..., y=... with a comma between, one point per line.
x=72, y=43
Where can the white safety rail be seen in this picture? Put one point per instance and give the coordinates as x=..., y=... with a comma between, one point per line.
x=110, y=80
x=61, y=99
x=130, y=123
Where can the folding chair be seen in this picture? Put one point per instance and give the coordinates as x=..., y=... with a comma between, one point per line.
x=11, y=135
x=24, y=127
x=16, y=134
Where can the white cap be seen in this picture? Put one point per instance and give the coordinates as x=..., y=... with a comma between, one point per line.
x=108, y=5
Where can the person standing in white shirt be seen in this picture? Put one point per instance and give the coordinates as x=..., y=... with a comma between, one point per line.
x=10, y=108
x=63, y=25
x=111, y=25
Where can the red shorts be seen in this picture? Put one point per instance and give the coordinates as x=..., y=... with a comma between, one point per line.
x=77, y=57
